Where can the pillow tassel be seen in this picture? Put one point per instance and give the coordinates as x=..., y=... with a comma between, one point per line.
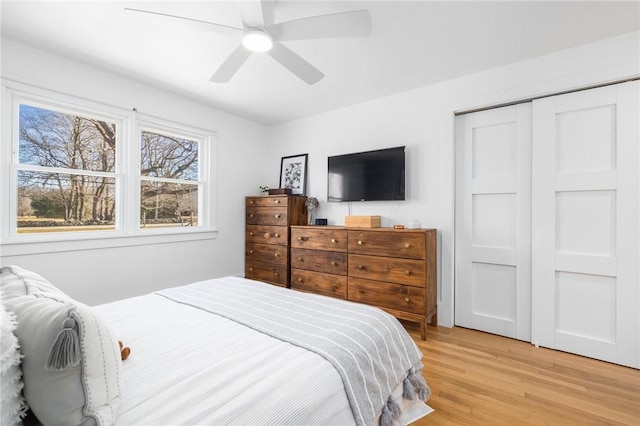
x=65, y=352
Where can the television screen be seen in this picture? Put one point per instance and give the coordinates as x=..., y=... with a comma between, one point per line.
x=367, y=176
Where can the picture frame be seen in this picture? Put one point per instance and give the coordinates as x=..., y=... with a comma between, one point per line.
x=293, y=173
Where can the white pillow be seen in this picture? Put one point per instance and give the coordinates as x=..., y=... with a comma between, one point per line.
x=16, y=281
x=13, y=407
x=65, y=393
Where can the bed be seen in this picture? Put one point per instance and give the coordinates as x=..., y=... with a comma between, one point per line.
x=226, y=351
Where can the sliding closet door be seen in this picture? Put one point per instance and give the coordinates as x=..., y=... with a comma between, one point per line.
x=493, y=221
x=585, y=251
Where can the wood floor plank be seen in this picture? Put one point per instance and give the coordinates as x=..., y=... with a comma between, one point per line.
x=478, y=378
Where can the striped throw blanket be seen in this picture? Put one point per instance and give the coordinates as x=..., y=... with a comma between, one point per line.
x=368, y=347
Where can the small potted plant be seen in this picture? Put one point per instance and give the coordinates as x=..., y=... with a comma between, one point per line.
x=312, y=204
x=264, y=190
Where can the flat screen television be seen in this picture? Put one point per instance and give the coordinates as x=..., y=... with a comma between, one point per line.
x=367, y=176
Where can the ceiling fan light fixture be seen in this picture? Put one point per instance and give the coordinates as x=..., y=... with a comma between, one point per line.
x=257, y=41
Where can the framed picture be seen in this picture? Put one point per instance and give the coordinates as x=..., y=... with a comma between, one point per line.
x=293, y=173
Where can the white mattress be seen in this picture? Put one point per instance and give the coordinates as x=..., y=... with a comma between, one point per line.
x=190, y=367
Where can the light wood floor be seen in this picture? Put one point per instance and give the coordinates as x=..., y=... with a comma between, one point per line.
x=479, y=378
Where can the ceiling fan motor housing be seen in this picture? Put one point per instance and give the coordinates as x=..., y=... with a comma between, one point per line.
x=257, y=40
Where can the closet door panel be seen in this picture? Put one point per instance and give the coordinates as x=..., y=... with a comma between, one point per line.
x=585, y=252
x=493, y=221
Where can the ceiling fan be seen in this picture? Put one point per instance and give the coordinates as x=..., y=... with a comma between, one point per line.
x=267, y=37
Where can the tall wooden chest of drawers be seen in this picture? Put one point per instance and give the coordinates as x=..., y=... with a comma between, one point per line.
x=392, y=269
x=267, y=236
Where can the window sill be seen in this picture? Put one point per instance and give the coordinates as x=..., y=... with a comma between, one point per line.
x=17, y=248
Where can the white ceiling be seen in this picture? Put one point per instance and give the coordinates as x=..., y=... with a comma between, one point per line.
x=412, y=44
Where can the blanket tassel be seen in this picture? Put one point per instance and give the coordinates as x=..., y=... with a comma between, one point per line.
x=408, y=391
x=390, y=412
x=65, y=352
x=414, y=384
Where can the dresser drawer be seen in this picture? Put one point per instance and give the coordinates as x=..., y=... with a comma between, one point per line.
x=394, y=296
x=320, y=283
x=267, y=201
x=321, y=261
x=267, y=216
x=268, y=253
x=267, y=234
x=321, y=238
x=271, y=273
x=401, y=271
x=403, y=244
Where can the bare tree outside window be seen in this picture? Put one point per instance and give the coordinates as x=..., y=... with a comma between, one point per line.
x=66, y=172
x=169, y=181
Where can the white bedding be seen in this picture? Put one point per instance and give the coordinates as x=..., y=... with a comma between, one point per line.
x=188, y=366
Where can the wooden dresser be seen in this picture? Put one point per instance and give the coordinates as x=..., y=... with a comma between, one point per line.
x=267, y=236
x=392, y=269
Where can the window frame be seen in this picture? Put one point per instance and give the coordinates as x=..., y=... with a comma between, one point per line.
x=128, y=123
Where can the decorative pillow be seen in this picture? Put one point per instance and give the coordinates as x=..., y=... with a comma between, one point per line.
x=13, y=407
x=72, y=368
x=16, y=281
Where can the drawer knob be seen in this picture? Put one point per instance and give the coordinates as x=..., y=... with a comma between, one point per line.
x=407, y=272
x=406, y=299
x=300, y=259
x=250, y=214
x=276, y=274
x=276, y=235
x=333, y=263
x=277, y=216
x=302, y=238
x=360, y=242
x=276, y=254
x=277, y=201
x=250, y=251
x=360, y=266
x=333, y=240
x=250, y=269
x=251, y=234
x=300, y=280
x=407, y=245
x=251, y=202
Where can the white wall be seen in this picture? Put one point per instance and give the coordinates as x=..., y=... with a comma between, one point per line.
x=423, y=120
x=102, y=275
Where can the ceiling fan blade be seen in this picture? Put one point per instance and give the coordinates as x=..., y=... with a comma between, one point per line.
x=193, y=23
x=294, y=63
x=230, y=65
x=268, y=12
x=344, y=24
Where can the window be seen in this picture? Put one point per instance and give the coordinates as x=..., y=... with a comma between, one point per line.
x=79, y=170
x=169, y=184
x=66, y=178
